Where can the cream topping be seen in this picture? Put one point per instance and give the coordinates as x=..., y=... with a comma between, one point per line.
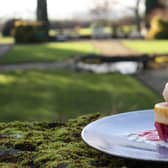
x=165, y=92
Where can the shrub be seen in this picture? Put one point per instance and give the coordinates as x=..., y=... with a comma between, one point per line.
x=30, y=32
x=8, y=27
x=159, y=29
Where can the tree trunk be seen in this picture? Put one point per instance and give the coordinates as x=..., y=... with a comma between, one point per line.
x=42, y=14
x=150, y=6
x=137, y=17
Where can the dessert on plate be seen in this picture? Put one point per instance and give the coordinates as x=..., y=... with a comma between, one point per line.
x=161, y=116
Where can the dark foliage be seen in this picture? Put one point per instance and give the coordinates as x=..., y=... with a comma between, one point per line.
x=8, y=27
x=25, y=32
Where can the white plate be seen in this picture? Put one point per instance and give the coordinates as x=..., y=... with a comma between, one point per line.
x=110, y=135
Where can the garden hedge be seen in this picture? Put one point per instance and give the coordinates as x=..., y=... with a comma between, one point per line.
x=30, y=32
x=54, y=145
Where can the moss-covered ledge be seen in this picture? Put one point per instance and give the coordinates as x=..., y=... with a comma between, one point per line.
x=54, y=145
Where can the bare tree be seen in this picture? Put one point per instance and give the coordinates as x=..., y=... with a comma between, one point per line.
x=101, y=9
x=136, y=11
x=137, y=15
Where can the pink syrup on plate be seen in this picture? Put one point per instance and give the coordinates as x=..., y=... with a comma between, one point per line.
x=149, y=137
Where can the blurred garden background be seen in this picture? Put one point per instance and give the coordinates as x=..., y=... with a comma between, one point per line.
x=60, y=60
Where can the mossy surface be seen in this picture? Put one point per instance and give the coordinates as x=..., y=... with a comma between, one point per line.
x=52, y=145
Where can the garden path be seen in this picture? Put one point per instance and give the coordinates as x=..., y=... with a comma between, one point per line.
x=154, y=79
x=112, y=48
x=4, y=48
x=36, y=66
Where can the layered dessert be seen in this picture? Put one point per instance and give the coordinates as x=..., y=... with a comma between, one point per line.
x=161, y=116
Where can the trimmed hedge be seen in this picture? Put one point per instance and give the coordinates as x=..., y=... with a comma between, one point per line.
x=55, y=145
x=8, y=27
x=30, y=32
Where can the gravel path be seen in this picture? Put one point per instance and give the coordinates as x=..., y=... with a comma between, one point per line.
x=154, y=79
x=37, y=66
x=112, y=48
x=4, y=48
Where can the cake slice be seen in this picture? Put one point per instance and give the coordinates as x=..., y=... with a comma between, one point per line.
x=161, y=116
x=161, y=120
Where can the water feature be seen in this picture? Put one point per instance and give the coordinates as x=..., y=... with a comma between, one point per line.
x=126, y=67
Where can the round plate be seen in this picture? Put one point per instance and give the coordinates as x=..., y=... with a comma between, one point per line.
x=110, y=135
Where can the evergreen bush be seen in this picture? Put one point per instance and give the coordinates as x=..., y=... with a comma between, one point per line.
x=29, y=32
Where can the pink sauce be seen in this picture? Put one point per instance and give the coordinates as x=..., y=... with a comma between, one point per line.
x=151, y=135
x=160, y=134
x=154, y=137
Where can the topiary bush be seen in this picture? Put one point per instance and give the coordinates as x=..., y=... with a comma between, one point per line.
x=8, y=27
x=159, y=29
x=30, y=32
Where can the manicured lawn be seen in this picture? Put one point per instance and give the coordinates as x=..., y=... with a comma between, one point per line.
x=52, y=95
x=88, y=31
x=47, y=52
x=6, y=40
x=85, y=31
x=147, y=46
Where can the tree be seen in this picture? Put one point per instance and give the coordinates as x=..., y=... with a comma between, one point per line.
x=101, y=12
x=155, y=4
x=137, y=15
x=152, y=5
x=105, y=7
x=101, y=9
x=136, y=11
x=42, y=14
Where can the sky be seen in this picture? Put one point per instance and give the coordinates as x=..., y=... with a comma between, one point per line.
x=57, y=9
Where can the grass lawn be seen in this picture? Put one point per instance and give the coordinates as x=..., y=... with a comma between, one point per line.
x=147, y=46
x=52, y=95
x=85, y=31
x=6, y=40
x=47, y=52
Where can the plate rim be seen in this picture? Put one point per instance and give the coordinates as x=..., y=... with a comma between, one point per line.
x=117, y=155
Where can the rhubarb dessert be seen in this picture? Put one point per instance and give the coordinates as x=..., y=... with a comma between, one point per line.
x=161, y=116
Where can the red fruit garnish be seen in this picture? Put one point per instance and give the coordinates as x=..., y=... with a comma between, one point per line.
x=162, y=131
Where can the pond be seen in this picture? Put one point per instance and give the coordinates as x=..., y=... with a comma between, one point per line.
x=126, y=67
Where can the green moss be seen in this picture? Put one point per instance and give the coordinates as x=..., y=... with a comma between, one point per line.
x=52, y=145
x=8, y=165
